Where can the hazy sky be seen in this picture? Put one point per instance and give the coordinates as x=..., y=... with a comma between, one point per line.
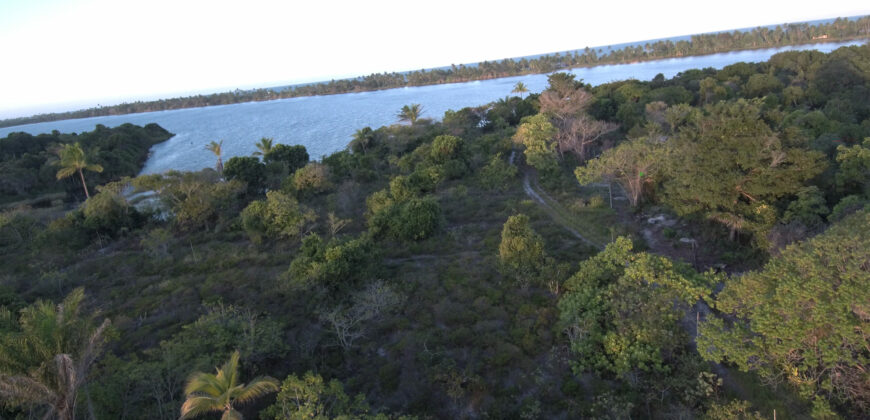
x=68, y=54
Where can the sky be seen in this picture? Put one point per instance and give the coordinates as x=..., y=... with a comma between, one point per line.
x=61, y=55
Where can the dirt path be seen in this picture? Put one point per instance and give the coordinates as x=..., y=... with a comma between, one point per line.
x=694, y=314
x=551, y=207
x=548, y=204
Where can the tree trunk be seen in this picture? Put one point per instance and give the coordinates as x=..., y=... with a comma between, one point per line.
x=82, y=176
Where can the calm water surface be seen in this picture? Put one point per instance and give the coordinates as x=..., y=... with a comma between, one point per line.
x=325, y=124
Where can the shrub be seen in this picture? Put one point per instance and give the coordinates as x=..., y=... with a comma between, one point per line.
x=497, y=174
x=108, y=213
x=279, y=216
x=312, y=179
x=445, y=148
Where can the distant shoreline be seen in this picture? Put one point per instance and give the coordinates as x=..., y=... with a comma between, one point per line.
x=697, y=45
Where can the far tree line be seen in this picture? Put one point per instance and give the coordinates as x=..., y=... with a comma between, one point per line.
x=789, y=34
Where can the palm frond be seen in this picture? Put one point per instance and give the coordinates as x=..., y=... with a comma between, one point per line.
x=94, y=167
x=196, y=405
x=215, y=147
x=229, y=372
x=204, y=383
x=231, y=415
x=92, y=349
x=23, y=389
x=66, y=172
x=258, y=387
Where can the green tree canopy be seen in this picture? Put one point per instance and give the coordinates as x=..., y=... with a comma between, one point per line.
x=621, y=310
x=729, y=166
x=248, y=170
x=536, y=133
x=804, y=318
x=294, y=157
x=278, y=216
x=310, y=397
x=521, y=250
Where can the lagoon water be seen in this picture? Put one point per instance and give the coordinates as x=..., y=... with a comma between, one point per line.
x=325, y=124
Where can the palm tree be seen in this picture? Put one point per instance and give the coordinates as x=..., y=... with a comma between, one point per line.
x=362, y=139
x=520, y=88
x=264, y=146
x=215, y=148
x=72, y=160
x=410, y=113
x=46, y=361
x=218, y=392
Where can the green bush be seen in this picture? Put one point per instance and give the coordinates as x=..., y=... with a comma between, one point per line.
x=445, y=148
x=312, y=179
x=496, y=175
x=248, y=170
x=294, y=157
x=109, y=214
x=415, y=219
x=335, y=266
x=279, y=216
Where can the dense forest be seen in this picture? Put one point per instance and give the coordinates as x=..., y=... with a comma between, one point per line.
x=840, y=29
x=693, y=247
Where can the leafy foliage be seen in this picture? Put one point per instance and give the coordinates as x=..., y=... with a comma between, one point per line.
x=537, y=135
x=311, y=397
x=221, y=391
x=731, y=167
x=279, y=216
x=248, y=170
x=619, y=312
x=294, y=157
x=800, y=319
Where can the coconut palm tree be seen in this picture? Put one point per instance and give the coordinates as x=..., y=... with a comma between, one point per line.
x=520, y=88
x=215, y=148
x=72, y=160
x=362, y=139
x=45, y=361
x=219, y=392
x=410, y=113
x=263, y=146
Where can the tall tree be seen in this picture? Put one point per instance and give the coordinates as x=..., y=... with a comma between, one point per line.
x=729, y=166
x=72, y=160
x=803, y=319
x=216, y=148
x=222, y=391
x=621, y=311
x=520, y=88
x=264, y=146
x=633, y=164
x=537, y=134
x=45, y=360
x=410, y=113
x=565, y=101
